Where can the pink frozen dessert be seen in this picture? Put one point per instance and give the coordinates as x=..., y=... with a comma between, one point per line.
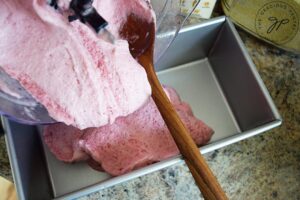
x=129, y=143
x=81, y=80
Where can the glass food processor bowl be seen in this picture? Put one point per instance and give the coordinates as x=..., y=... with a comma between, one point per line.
x=17, y=104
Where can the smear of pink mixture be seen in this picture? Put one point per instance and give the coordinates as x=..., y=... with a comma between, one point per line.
x=131, y=142
x=82, y=80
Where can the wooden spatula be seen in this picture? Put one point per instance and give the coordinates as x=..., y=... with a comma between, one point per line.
x=142, y=48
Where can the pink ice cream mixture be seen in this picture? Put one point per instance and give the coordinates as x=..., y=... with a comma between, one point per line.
x=82, y=80
x=129, y=143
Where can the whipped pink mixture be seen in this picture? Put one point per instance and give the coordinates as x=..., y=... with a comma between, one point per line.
x=129, y=143
x=82, y=80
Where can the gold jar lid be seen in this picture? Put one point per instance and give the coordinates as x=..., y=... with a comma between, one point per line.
x=276, y=22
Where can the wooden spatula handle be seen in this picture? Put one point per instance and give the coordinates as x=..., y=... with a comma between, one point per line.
x=202, y=174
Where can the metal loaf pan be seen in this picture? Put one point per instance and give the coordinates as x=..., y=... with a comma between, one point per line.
x=211, y=70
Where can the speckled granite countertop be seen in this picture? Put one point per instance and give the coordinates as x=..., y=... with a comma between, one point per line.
x=262, y=167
